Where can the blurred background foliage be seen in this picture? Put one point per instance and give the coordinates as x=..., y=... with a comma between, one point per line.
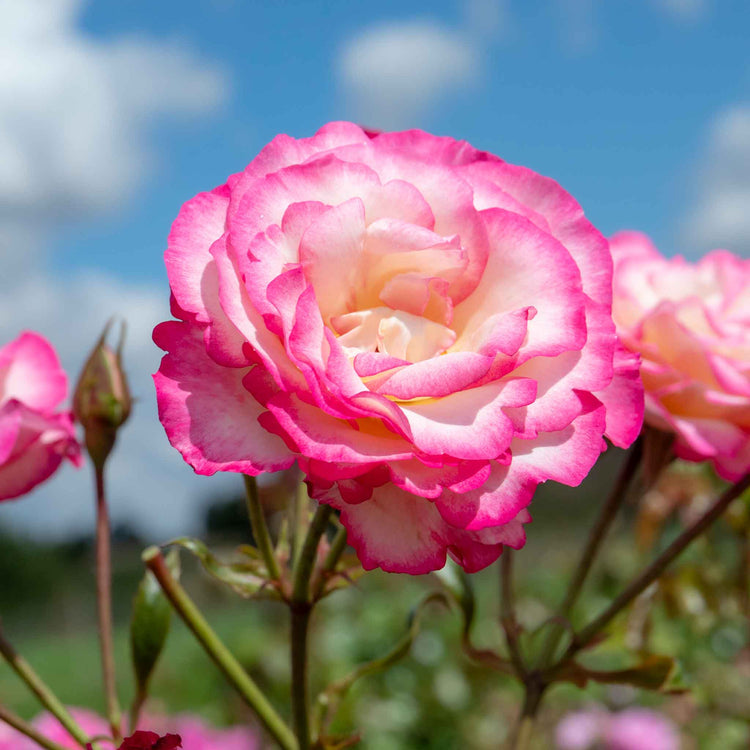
x=434, y=697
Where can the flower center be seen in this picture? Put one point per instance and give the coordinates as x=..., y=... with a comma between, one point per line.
x=397, y=333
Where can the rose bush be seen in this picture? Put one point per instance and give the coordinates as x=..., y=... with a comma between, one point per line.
x=691, y=325
x=423, y=327
x=34, y=438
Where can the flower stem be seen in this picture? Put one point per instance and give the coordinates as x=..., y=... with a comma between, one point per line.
x=657, y=567
x=104, y=603
x=300, y=605
x=25, y=728
x=534, y=690
x=507, y=612
x=46, y=697
x=260, y=528
x=300, y=516
x=594, y=542
x=220, y=654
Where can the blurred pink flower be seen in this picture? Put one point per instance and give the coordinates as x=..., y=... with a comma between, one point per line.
x=424, y=328
x=632, y=729
x=91, y=723
x=196, y=734
x=691, y=325
x=34, y=438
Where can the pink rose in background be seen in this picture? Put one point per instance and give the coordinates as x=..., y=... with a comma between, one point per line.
x=691, y=325
x=424, y=328
x=50, y=727
x=631, y=729
x=34, y=438
x=196, y=734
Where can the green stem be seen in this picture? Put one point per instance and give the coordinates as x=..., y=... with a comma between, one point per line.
x=300, y=520
x=104, y=603
x=218, y=652
x=260, y=528
x=594, y=542
x=24, y=728
x=534, y=690
x=46, y=697
x=657, y=567
x=507, y=612
x=136, y=708
x=338, y=545
x=300, y=605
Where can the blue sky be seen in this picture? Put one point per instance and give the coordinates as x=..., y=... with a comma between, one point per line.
x=114, y=113
x=616, y=100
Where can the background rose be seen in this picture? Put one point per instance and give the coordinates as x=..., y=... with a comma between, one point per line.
x=691, y=325
x=33, y=438
x=631, y=729
x=196, y=734
x=423, y=327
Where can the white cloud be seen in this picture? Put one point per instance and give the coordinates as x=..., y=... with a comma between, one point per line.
x=150, y=485
x=720, y=216
x=75, y=119
x=75, y=111
x=394, y=73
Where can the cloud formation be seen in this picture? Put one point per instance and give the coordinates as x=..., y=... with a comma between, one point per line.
x=76, y=114
x=720, y=216
x=395, y=73
x=75, y=111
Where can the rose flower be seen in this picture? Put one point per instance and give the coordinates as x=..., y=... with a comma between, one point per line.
x=424, y=328
x=34, y=438
x=691, y=325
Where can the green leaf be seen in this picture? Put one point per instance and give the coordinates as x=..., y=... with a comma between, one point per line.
x=246, y=575
x=149, y=624
x=655, y=672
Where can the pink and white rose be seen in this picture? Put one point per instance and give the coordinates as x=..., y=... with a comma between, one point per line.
x=690, y=323
x=34, y=437
x=423, y=327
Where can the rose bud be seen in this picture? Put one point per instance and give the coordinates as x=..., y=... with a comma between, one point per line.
x=151, y=741
x=101, y=402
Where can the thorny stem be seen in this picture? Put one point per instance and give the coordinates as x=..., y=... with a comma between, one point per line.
x=300, y=605
x=657, y=567
x=260, y=528
x=45, y=695
x=25, y=728
x=220, y=654
x=104, y=603
x=593, y=545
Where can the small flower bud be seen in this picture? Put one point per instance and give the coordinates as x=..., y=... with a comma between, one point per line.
x=101, y=402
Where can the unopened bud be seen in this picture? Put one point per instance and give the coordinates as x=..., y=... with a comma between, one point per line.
x=101, y=402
